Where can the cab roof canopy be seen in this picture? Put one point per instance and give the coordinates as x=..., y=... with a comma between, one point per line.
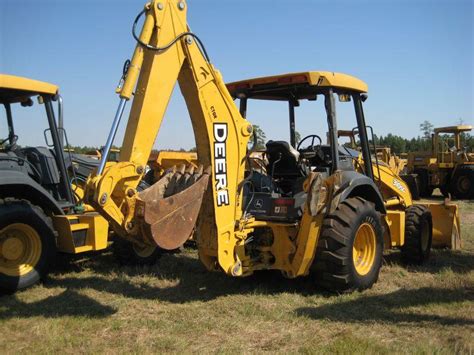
x=303, y=85
x=18, y=89
x=453, y=129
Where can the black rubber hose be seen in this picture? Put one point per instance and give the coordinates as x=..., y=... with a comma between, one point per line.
x=166, y=47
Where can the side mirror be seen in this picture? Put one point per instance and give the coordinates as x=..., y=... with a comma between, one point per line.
x=48, y=137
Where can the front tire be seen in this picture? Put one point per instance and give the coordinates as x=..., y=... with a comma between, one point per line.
x=411, y=181
x=349, y=254
x=462, y=184
x=418, y=234
x=27, y=245
x=128, y=253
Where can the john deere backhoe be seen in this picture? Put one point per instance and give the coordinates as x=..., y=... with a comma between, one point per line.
x=309, y=211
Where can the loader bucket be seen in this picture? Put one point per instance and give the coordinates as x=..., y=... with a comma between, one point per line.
x=168, y=210
x=446, y=225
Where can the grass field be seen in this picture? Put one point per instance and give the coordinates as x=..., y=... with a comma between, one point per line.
x=92, y=305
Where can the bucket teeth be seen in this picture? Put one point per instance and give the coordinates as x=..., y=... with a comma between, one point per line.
x=174, y=183
x=200, y=170
x=197, y=174
x=183, y=182
x=190, y=169
x=192, y=178
x=181, y=168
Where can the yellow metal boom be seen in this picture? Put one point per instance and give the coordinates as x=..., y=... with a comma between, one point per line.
x=220, y=131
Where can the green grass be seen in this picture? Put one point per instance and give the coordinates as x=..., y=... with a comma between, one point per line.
x=92, y=305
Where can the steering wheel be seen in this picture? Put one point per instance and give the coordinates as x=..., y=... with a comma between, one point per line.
x=313, y=152
x=311, y=147
x=312, y=137
x=12, y=144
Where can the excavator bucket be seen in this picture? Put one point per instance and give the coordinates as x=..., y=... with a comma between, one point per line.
x=168, y=210
x=446, y=225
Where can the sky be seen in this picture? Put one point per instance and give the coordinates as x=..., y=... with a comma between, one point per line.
x=415, y=55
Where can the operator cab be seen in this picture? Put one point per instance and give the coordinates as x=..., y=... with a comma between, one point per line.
x=275, y=191
x=38, y=167
x=450, y=139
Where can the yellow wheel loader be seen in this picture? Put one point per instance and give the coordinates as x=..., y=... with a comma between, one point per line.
x=309, y=212
x=396, y=163
x=447, y=166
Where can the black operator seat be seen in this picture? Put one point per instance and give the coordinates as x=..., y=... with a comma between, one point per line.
x=282, y=159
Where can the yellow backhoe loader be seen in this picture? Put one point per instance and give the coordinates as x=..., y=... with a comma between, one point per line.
x=310, y=211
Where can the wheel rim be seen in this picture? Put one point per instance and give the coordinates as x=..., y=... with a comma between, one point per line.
x=464, y=184
x=20, y=249
x=363, y=249
x=143, y=252
x=425, y=235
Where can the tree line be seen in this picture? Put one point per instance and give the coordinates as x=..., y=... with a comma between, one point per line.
x=397, y=144
x=423, y=142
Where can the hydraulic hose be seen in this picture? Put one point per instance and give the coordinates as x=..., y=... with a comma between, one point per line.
x=169, y=45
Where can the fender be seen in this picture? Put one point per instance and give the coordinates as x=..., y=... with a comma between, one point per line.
x=18, y=185
x=352, y=184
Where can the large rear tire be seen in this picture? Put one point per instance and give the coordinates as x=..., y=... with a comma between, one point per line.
x=418, y=234
x=423, y=182
x=349, y=254
x=27, y=245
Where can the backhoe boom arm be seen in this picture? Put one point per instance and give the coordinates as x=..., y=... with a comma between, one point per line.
x=220, y=131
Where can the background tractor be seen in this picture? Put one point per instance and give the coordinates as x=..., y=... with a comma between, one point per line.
x=447, y=166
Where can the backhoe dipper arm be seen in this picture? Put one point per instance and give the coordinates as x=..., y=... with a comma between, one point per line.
x=220, y=131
